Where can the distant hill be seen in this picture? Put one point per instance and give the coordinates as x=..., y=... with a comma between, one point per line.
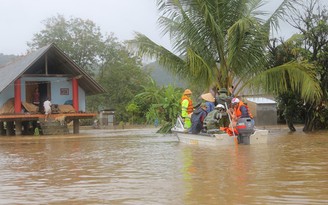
x=4, y=59
x=162, y=77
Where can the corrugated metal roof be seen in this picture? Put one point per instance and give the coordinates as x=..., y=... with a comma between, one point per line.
x=261, y=100
x=13, y=70
x=60, y=61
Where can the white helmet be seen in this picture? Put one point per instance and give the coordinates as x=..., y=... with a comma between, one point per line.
x=235, y=100
x=220, y=106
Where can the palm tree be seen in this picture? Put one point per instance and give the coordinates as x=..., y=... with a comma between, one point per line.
x=220, y=42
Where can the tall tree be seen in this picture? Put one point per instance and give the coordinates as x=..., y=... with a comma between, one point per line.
x=218, y=42
x=311, y=21
x=104, y=57
x=123, y=77
x=80, y=39
x=289, y=103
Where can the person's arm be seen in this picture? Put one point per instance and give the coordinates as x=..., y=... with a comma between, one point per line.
x=230, y=112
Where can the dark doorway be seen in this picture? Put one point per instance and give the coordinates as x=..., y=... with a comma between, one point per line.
x=44, y=90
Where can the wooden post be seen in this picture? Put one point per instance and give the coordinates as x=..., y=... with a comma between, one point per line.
x=76, y=126
x=18, y=127
x=10, y=128
x=75, y=88
x=7, y=128
x=2, y=128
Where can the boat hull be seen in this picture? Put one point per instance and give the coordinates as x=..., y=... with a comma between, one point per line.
x=258, y=137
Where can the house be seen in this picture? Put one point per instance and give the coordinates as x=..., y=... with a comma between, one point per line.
x=262, y=106
x=264, y=110
x=56, y=76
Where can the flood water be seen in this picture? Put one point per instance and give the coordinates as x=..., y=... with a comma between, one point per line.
x=101, y=168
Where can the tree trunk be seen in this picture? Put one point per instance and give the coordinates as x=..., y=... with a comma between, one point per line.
x=290, y=125
x=309, y=119
x=289, y=115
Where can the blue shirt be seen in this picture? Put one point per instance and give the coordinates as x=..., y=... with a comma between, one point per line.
x=210, y=106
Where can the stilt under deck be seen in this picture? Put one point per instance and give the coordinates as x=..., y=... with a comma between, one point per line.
x=14, y=121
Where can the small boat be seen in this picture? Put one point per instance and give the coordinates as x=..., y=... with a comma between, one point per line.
x=218, y=139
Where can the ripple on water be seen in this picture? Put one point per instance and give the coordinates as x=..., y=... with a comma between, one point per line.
x=107, y=169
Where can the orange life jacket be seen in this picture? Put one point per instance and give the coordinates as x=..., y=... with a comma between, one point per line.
x=190, y=107
x=229, y=131
x=237, y=111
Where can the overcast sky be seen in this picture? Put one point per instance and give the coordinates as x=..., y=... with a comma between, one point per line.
x=20, y=19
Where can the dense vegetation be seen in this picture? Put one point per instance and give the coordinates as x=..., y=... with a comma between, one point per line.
x=227, y=42
x=216, y=43
x=102, y=56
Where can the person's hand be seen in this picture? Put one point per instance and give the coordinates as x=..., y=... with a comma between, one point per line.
x=229, y=111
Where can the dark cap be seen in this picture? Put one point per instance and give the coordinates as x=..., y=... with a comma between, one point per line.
x=223, y=90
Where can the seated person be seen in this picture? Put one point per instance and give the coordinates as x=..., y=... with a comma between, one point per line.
x=214, y=120
x=222, y=97
x=197, y=119
x=239, y=110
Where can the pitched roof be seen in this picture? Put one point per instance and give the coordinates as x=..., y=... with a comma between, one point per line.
x=57, y=62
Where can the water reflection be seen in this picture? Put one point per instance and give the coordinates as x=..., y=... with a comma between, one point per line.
x=155, y=169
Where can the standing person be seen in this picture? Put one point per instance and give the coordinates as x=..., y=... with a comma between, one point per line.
x=222, y=97
x=47, y=109
x=36, y=97
x=209, y=101
x=197, y=119
x=186, y=108
x=232, y=90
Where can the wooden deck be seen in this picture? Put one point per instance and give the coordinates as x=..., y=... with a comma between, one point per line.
x=17, y=119
x=27, y=117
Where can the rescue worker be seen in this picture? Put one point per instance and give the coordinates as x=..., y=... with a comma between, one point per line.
x=222, y=97
x=239, y=110
x=214, y=119
x=197, y=119
x=186, y=108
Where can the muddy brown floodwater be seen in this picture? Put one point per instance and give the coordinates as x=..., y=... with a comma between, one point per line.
x=141, y=167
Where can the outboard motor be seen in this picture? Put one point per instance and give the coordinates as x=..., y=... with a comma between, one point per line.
x=245, y=127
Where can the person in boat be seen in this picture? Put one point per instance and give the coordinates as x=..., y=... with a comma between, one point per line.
x=186, y=108
x=215, y=119
x=223, y=98
x=232, y=91
x=209, y=101
x=197, y=119
x=239, y=110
